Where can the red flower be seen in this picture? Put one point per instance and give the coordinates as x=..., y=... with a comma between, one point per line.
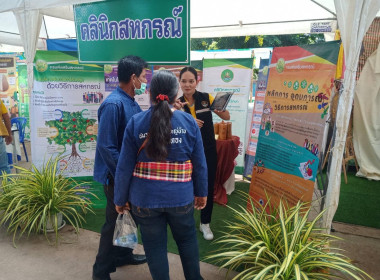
x=68, y=140
x=74, y=126
x=74, y=119
x=61, y=120
x=162, y=97
x=92, y=139
x=87, y=121
x=64, y=128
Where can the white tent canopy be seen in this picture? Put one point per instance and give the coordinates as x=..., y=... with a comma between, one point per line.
x=270, y=17
x=20, y=24
x=243, y=18
x=29, y=16
x=57, y=20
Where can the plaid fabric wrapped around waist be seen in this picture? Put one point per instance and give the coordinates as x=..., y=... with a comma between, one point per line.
x=164, y=171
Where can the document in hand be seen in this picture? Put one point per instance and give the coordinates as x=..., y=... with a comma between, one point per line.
x=221, y=101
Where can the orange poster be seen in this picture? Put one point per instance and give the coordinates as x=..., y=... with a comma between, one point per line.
x=293, y=122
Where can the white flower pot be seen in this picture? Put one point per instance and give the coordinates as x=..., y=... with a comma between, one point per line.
x=50, y=223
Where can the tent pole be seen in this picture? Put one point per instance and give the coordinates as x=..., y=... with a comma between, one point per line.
x=43, y=20
x=323, y=7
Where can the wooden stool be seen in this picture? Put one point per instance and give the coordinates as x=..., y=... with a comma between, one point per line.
x=349, y=153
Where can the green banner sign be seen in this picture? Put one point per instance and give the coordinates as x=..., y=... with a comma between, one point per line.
x=156, y=30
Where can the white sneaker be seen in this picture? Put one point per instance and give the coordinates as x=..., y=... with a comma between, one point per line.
x=207, y=233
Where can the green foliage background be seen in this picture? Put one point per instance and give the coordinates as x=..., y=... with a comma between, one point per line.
x=246, y=42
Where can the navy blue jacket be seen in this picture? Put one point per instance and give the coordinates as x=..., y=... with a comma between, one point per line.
x=113, y=116
x=186, y=145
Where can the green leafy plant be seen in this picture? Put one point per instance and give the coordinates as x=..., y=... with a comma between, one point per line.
x=33, y=199
x=280, y=243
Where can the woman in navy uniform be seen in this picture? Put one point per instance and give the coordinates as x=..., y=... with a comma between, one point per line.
x=198, y=105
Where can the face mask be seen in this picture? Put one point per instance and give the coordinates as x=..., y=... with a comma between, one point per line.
x=141, y=90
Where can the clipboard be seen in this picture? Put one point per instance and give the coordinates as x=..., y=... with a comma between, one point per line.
x=221, y=101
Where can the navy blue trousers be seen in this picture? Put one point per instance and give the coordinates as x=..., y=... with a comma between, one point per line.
x=153, y=227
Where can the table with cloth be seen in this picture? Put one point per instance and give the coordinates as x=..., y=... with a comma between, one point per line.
x=227, y=151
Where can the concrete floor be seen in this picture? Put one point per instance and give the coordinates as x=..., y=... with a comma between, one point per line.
x=362, y=245
x=35, y=259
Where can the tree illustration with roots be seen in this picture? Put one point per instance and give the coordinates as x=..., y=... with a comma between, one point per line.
x=70, y=129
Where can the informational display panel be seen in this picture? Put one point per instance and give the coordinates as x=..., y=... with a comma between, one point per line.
x=23, y=98
x=293, y=122
x=111, y=83
x=8, y=83
x=261, y=86
x=231, y=75
x=64, y=104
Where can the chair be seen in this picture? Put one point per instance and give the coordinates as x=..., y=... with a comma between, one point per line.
x=21, y=123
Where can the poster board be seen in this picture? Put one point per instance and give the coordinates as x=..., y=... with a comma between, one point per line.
x=232, y=75
x=261, y=86
x=64, y=104
x=111, y=83
x=8, y=83
x=293, y=123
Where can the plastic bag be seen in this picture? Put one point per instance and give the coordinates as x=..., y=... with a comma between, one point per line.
x=125, y=234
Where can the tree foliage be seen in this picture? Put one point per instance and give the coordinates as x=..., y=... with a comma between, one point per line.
x=71, y=128
x=246, y=42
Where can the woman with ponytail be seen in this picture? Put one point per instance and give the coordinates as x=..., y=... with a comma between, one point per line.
x=161, y=177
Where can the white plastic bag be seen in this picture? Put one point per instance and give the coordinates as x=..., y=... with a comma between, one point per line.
x=125, y=234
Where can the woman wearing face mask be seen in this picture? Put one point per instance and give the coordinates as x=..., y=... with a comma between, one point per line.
x=162, y=173
x=194, y=103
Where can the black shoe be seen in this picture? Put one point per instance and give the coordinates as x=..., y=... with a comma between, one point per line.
x=94, y=277
x=133, y=260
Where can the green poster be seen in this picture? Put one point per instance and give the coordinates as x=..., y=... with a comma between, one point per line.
x=22, y=98
x=157, y=31
x=65, y=100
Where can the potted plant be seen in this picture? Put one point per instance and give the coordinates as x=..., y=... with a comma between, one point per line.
x=36, y=200
x=268, y=242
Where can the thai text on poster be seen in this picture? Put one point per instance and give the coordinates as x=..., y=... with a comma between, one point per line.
x=65, y=100
x=293, y=122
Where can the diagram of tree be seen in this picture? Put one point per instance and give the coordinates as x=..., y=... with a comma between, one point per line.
x=70, y=129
